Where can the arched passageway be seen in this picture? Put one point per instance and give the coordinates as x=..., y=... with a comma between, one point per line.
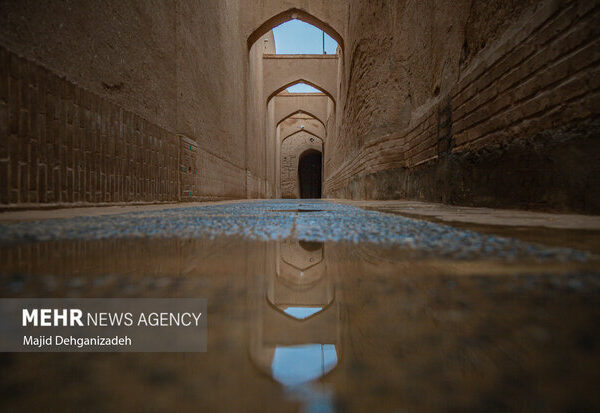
x=292, y=14
x=271, y=74
x=309, y=174
x=327, y=74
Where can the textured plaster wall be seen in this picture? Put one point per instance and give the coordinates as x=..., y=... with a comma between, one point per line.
x=211, y=88
x=271, y=149
x=258, y=134
x=87, y=102
x=469, y=102
x=177, y=68
x=118, y=50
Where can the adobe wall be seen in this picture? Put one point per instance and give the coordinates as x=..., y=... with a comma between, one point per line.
x=259, y=135
x=313, y=103
x=118, y=50
x=280, y=71
x=299, y=122
x=122, y=101
x=469, y=102
x=87, y=103
x=211, y=88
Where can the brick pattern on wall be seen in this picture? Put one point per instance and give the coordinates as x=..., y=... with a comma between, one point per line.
x=188, y=149
x=205, y=176
x=542, y=75
x=62, y=144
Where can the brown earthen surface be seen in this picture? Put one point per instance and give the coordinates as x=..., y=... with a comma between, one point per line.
x=464, y=102
x=487, y=104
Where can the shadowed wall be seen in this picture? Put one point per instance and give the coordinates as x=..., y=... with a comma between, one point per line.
x=471, y=103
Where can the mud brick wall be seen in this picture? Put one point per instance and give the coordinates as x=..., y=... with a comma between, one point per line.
x=514, y=123
x=62, y=144
x=188, y=149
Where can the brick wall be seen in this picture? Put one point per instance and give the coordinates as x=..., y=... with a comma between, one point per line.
x=540, y=77
x=537, y=79
x=188, y=149
x=60, y=143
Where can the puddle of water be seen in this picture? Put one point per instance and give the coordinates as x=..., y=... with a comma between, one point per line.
x=313, y=326
x=299, y=210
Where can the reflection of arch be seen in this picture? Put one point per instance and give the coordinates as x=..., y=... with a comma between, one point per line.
x=309, y=318
x=300, y=111
x=299, y=258
x=292, y=14
x=297, y=268
x=304, y=268
x=275, y=331
x=268, y=369
x=295, y=82
x=302, y=131
x=302, y=289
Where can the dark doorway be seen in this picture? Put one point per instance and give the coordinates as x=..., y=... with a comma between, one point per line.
x=309, y=173
x=311, y=246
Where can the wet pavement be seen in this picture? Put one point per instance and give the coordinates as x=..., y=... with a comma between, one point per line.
x=314, y=306
x=275, y=220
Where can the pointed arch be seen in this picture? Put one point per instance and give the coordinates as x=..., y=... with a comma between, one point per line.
x=298, y=112
x=295, y=82
x=292, y=14
x=286, y=104
x=305, y=131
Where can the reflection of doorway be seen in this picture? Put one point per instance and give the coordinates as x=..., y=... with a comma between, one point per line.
x=309, y=174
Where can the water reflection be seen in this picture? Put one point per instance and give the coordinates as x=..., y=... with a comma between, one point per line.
x=299, y=286
x=301, y=312
x=300, y=262
x=358, y=328
x=294, y=365
x=296, y=335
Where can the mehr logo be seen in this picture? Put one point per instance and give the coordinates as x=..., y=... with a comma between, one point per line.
x=47, y=317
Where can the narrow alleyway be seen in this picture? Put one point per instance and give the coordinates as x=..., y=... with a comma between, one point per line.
x=368, y=206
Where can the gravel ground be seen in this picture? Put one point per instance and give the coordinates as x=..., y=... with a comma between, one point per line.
x=272, y=220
